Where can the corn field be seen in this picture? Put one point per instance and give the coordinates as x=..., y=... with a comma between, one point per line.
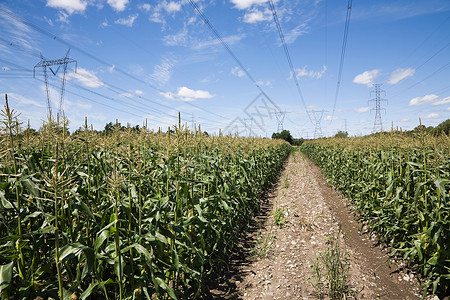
x=130, y=215
x=400, y=187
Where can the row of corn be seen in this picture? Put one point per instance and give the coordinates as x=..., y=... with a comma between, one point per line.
x=400, y=187
x=129, y=215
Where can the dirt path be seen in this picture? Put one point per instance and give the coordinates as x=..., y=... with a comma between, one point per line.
x=273, y=261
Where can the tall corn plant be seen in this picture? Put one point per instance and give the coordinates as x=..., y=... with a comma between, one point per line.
x=399, y=185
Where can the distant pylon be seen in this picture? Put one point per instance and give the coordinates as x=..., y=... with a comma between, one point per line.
x=317, y=116
x=377, y=124
x=55, y=62
x=280, y=118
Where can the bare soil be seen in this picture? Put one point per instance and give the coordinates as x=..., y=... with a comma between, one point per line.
x=274, y=262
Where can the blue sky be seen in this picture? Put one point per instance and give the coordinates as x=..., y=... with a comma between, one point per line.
x=142, y=59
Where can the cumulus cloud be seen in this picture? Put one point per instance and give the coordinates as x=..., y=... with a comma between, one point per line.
x=423, y=100
x=70, y=6
x=304, y=72
x=170, y=7
x=362, y=109
x=85, y=77
x=145, y=7
x=236, y=71
x=138, y=92
x=366, y=77
x=330, y=118
x=244, y=4
x=118, y=5
x=187, y=94
x=127, y=21
x=255, y=16
x=400, y=74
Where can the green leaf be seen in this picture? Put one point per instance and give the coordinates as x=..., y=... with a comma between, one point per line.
x=162, y=284
x=4, y=202
x=6, y=272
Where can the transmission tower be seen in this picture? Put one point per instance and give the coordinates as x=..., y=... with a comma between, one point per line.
x=317, y=116
x=44, y=63
x=280, y=119
x=377, y=124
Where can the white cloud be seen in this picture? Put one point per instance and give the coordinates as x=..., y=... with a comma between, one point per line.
x=118, y=5
x=362, y=109
x=21, y=100
x=169, y=7
x=236, y=71
x=104, y=23
x=70, y=6
x=127, y=21
x=49, y=21
x=329, y=118
x=442, y=101
x=163, y=71
x=179, y=39
x=292, y=35
x=230, y=40
x=126, y=95
x=255, y=15
x=422, y=100
x=145, y=7
x=304, y=72
x=244, y=4
x=405, y=120
x=431, y=116
x=366, y=77
x=18, y=31
x=63, y=17
x=5, y=69
x=85, y=77
x=400, y=74
x=187, y=94
x=261, y=83
x=138, y=92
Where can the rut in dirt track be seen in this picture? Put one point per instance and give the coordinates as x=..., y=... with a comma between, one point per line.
x=273, y=262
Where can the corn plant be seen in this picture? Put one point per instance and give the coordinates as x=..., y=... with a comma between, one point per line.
x=124, y=215
x=400, y=187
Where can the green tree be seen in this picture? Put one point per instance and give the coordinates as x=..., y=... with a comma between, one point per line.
x=341, y=134
x=284, y=135
x=443, y=127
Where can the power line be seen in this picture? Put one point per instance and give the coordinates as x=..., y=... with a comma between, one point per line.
x=427, y=77
x=341, y=64
x=140, y=109
x=99, y=60
x=108, y=86
x=225, y=45
x=288, y=56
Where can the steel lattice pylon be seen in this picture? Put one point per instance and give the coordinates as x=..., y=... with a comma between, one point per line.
x=318, y=115
x=377, y=124
x=44, y=63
